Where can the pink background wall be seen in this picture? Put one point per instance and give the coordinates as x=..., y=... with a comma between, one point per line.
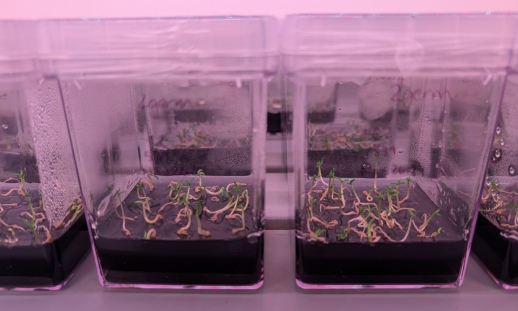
x=31, y=9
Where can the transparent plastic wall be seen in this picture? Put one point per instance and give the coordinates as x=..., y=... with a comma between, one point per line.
x=495, y=243
x=168, y=118
x=42, y=228
x=392, y=121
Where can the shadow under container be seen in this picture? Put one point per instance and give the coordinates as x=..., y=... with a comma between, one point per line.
x=43, y=234
x=168, y=119
x=387, y=190
x=495, y=243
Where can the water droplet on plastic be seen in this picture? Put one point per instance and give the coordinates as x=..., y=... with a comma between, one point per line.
x=498, y=130
x=239, y=83
x=201, y=102
x=488, y=182
x=502, y=142
x=511, y=170
x=497, y=153
x=5, y=126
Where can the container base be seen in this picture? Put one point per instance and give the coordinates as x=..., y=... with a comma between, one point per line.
x=387, y=265
x=496, y=253
x=44, y=267
x=214, y=264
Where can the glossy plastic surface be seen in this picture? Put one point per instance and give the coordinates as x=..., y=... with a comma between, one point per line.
x=168, y=119
x=43, y=234
x=390, y=115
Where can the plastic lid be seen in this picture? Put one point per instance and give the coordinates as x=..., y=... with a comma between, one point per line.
x=18, y=47
x=140, y=46
x=405, y=42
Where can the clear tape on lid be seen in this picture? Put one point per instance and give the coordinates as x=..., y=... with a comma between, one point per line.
x=150, y=45
x=407, y=42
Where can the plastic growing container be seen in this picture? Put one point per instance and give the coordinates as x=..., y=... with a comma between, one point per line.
x=168, y=119
x=495, y=243
x=393, y=117
x=43, y=233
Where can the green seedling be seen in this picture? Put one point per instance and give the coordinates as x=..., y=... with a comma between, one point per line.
x=343, y=234
x=320, y=232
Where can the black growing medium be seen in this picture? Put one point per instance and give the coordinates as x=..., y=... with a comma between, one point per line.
x=44, y=265
x=200, y=262
x=497, y=253
x=194, y=115
x=432, y=261
x=213, y=161
x=380, y=263
x=176, y=241
x=14, y=162
x=356, y=164
x=377, y=232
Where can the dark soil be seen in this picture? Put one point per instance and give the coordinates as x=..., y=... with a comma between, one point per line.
x=349, y=163
x=319, y=117
x=182, y=262
x=11, y=215
x=223, y=258
x=498, y=254
x=380, y=263
x=32, y=265
x=353, y=260
x=213, y=161
x=194, y=115
x=493, y=242
x=13, y=163
x=47, y=265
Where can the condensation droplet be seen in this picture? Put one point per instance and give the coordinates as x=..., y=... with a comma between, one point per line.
x=511, y=170
x=498, y=130
x=497, y=153
x=502, y=142
x=5, y=126
x=201, y=102
x=239, y=83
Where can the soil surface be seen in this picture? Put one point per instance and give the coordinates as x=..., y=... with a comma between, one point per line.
x=227, y=257
x=500, y=206
x=213, y=161
x=14, y=162
x=418, y=200
x=167, y=227
x=16, y=213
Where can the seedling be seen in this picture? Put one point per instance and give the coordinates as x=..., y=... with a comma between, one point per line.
x=501, y=205
x=183, y=203
x=355, y=136
x=34, y=217
x=377, y=214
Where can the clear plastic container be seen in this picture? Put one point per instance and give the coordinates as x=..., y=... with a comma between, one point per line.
x=168, y=119
x=43, y=234
x=392, y=122
x=495, y=243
